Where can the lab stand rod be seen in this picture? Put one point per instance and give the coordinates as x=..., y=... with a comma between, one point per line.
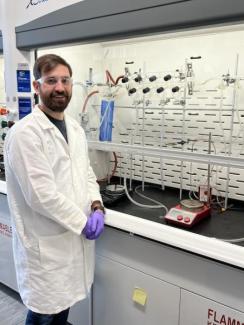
x=226, y=161
x=231, y=130
x=209, y=170
x=131, y=158
x=144, y=69
x=143, y=143
x=183, y=133
x=133, y=136
x=220, y=111
x=136, y=135
x=161, y=145
x=131, y=169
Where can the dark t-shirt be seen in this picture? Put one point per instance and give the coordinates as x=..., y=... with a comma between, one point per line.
x=60, y=124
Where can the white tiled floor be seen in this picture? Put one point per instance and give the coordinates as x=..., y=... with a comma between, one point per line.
x=12, y=311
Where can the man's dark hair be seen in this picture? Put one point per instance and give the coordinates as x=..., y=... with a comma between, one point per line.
x=48, y=62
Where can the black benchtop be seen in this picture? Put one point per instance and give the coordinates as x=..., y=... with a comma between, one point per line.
x=227, y=224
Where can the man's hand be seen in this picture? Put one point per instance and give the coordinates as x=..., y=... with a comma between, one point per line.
x=95, y=225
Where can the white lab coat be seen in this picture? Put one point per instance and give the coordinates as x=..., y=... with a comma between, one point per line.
x=50, y=187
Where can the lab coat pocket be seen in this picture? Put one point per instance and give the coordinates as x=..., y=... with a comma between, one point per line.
x=56, y=251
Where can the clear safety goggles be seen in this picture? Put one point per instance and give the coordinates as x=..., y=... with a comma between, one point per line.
x=53, y=81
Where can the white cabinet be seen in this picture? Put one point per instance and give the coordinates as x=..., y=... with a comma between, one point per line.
x=176, y=284
x=80, y=313
x=123, y=295
x=7, y=270
x=197, y=310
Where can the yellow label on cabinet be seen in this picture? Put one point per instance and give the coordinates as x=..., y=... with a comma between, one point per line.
x=139, y=296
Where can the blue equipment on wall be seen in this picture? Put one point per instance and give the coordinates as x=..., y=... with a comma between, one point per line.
x=25, y=105
x=106, y=120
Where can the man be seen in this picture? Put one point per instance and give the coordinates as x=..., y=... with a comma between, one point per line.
x=53, y=198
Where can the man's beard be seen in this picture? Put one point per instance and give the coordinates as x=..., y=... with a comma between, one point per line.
x=56, y=101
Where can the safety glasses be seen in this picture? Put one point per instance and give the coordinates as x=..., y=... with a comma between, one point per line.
x=52, y=81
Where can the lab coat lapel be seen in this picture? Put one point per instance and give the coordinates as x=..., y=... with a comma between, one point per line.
x=42, y=119
x=46, y=124
x=71, y=134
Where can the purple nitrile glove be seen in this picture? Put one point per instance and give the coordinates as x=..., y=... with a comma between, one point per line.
x=87, y=229
x=95, y=225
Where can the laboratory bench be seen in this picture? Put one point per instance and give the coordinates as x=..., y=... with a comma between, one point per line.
x=150, y=273
x=222, y=224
